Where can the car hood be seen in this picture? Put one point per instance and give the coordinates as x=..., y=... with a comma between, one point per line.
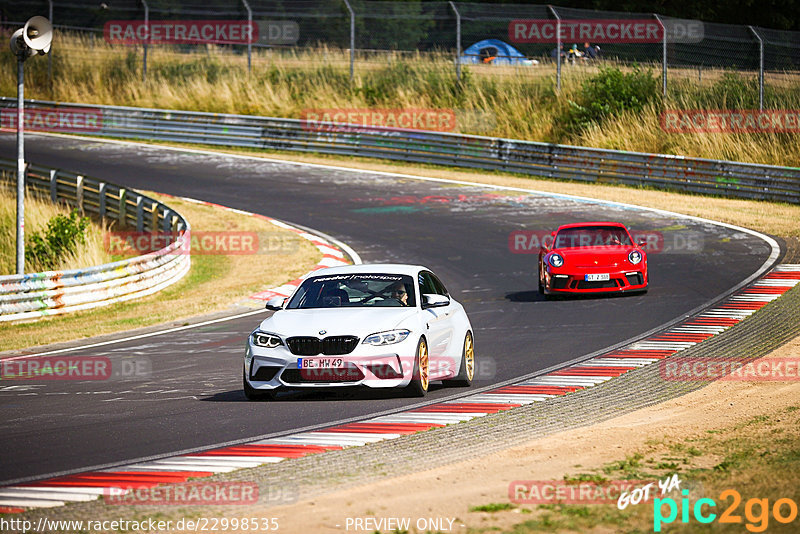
x=602, y=256
x=335, y=321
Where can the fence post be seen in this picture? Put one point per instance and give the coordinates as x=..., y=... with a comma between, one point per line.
x=53, y=186
x=250, y=38
x=558, y=47
x=352, y=37
x=458, y=41
x=101, y=193
x=760, y=69
x=50, y=55
x=663, y=55
x=147, y=38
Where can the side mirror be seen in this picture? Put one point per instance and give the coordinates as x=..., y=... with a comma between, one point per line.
x=432, y=300
x=275, y=303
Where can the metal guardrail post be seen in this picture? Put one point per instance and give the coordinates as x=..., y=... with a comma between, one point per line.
x=79, y=192
x=250, y=39
x=147, y=30
x=53, y=186
x=153, y=217
x=139, y=214
x=352, y=39
x=101, y=200
x=760, y=69
x=558, y=47
x=458, y=41
x=663, y=55
x=123, y=204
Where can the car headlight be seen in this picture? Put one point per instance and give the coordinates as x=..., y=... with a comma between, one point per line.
x=269, y=341
x=386, y=338
x=556, y=260
x=634, y=256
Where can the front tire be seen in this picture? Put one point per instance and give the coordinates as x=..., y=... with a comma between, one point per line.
x=541, y=283
x=467, y=370
x=253, y=394
x=420, y=379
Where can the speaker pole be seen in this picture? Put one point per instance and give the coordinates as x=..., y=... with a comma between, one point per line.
x=34, y=38
x=21, y=55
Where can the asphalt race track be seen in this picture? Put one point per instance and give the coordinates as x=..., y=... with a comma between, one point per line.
x=192, y=397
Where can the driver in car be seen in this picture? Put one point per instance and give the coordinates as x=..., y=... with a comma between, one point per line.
x=398, y=292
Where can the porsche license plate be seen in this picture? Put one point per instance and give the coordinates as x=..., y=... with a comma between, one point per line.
x=598, y=277
x=320, y=363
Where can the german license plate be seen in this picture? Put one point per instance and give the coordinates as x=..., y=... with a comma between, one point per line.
x=320, y=363
x=598, y=277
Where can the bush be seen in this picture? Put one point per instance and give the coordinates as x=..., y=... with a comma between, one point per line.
x=608, y=94
x=731, y=92
x=62, y=236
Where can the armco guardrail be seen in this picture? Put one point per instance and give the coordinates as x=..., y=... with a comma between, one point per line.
x=697, y=175
x=35, y=295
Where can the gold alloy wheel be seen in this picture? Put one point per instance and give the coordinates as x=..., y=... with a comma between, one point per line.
x=469, y=356
x=422, y=357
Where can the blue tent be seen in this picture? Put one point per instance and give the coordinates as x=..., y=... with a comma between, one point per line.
x=496, y=52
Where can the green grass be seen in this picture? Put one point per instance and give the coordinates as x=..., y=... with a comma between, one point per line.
x=493, y=507
x=753, y=461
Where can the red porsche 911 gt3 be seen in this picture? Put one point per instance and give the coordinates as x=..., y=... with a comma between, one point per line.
x=593, y=257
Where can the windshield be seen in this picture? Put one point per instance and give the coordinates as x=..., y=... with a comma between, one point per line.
x=592, y=236
x=355, y=291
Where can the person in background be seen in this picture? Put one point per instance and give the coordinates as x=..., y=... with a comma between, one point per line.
x=589, y=52
x=574, y=53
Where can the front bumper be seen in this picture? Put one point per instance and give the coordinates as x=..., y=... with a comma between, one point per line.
x=557, y=282
x=377, y=367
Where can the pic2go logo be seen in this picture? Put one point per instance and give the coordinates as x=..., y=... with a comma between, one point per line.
x=756, y=511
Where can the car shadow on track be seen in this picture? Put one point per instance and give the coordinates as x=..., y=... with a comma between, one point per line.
x=525, y=296
x=324, y=395
x=535, y=296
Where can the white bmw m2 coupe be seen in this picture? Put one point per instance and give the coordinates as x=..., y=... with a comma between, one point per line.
x=381, y=326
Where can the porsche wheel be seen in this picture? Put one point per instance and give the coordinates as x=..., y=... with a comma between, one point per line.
x=420, y=379
x=467, y=370
x=541, y=283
